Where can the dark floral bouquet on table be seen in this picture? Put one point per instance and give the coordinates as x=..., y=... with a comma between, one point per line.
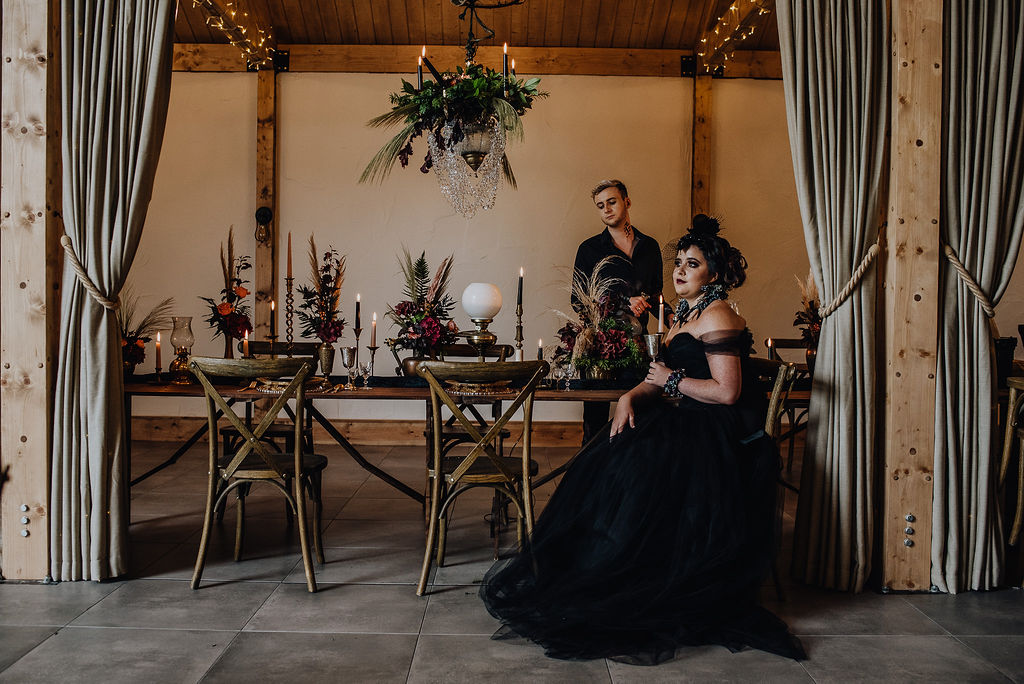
x=135, y=336
x=807, y=318
x=424, y=317
x=602, y=334
x=318, y=312
x=230, y=316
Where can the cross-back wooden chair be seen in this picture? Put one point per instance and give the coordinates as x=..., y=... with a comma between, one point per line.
x=453, y=433
x=1014, y=431
x=776, y=377
x=296, y=475
x=795, y=410
x=450, y=476
x=278, y=432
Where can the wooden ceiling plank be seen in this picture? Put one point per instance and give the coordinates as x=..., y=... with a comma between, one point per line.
x=655, y=38
x=330, y=21
x=553, y=23
x=279, y=21
x=535, y=22
x=264, y=20
x=572, y=20
x=588, y=23
x=292, y=10
x=432, y=27
x=347, y=20
x=623, y=23
x=364, y=21
x=606, y=23
x=417, y=23
x=641, y=23
x=517, y=34
x=183, y=30
x=399, y=22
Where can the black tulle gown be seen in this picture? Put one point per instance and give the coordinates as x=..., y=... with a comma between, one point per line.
x=658, y=539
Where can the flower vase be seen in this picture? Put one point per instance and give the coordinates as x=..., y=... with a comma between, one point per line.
x=325, y=353
x=129, y=370
x=229, y=349
x=409, y=365
x=595, y=373
x=812, y=355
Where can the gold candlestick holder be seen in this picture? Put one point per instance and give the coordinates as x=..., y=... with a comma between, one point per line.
x=158, y=380
x=289, y=312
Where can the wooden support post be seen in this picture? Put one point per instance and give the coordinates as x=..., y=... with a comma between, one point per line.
x=265, y=266
x=912, y=292
x=30, y=280
x=700, y=176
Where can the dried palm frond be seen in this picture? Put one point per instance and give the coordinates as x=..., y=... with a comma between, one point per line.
x=439, y=286
x=808, y=291
x=158, y=318
x=416, y=274
x=588, y=291
x=227, y=262
x=314, y=266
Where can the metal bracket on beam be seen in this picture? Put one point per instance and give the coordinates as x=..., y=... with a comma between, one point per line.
x=281, y=60
x=687, y=66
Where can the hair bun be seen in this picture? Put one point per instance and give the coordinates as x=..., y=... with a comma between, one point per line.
x=704, y=225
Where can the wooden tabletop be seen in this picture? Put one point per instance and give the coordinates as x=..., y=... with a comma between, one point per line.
x=167, y=389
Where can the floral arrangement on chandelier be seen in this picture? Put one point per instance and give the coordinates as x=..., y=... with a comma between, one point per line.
x=808, y=320
x=465, y=117
x=135, y=336
x=230, y=316
x=318, y=312
x=601, y=335
x=424, y=317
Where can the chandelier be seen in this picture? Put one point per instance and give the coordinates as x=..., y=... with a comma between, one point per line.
x=466, y=116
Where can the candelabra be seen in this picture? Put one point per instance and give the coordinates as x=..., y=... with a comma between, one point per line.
x=358, y=332
x=289, y=302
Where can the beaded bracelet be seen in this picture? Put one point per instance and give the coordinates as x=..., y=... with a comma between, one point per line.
x=672, y=384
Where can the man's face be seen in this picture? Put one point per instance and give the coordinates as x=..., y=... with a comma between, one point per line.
x=613, y=207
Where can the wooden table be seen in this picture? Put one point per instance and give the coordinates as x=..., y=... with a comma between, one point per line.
x=235, y=393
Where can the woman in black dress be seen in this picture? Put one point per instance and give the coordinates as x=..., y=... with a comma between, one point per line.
x=662, y=536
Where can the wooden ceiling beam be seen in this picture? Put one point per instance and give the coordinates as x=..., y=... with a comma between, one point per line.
x=401, y=59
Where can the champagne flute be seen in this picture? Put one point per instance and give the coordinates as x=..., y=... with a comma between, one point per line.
x=364, y=370
x=348, y=359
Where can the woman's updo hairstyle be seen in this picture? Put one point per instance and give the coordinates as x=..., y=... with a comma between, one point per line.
x=723, y=259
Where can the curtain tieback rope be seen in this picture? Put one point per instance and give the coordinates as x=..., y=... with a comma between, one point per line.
x=969, y=281
x=855, y=279
x=83, y=277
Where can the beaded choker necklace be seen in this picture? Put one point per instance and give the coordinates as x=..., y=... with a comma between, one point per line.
x=712, y=293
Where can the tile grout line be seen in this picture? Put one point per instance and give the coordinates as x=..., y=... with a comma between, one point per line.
x=982, y=657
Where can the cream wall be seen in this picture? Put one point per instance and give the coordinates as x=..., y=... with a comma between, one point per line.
x=591, y=127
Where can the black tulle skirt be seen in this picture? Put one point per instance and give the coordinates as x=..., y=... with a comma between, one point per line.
x=658, y=539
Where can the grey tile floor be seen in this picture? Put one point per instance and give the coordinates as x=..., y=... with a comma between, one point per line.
x=253, y=621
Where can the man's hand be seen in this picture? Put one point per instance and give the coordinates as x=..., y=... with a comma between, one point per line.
x=638, y=305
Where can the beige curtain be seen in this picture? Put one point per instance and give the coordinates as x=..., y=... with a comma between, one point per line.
x=115, y=83
x=982, y=220
x=835, y=67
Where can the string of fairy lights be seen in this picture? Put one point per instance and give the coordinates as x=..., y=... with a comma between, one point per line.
x=242, y=31
x=740, y=22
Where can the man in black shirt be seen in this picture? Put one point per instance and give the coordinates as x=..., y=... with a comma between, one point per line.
x=637, y=263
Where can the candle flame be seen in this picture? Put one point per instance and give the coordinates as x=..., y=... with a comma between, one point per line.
x=374, y=316
x=273, y=305
x=506, y=48
x=424, y=52
x=357, y=297
x=158, y=338
x=419, y=61
x=520, y=271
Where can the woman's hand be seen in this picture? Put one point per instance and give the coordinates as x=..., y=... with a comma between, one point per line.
x=638, y=305
x=623, y=416
x=657, y=374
